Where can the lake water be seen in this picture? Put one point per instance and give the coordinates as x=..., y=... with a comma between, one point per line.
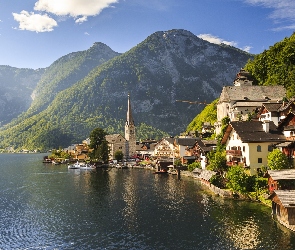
x=50, y=207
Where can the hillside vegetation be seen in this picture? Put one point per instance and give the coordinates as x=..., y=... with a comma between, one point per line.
x=276, y=66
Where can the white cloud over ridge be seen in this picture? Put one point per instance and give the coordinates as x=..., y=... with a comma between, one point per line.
x=34, y=22
x=214, y=39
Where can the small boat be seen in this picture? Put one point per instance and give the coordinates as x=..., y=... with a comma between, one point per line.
x=162, y=171
x=87, y=166
x=77, y=165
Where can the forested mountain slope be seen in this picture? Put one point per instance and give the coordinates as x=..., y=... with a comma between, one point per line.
x=16, y=87
x=166, y=67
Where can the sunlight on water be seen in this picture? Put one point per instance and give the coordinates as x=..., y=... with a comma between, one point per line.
x=50, y=207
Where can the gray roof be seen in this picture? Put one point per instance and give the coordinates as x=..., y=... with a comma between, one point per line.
x=112, y=138
x=287, y=197
x=272, y=107
x=186, y=141
x=236, y=93
x=252, y=131
x=284, y=174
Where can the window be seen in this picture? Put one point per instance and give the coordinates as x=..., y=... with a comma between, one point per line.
x=243, y=148
x=269, y=148
x=259, y=160
x=258, y=148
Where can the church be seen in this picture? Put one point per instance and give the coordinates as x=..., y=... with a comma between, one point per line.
x=128, y=144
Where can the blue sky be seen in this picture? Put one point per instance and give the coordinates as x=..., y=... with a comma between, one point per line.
x=35, y=33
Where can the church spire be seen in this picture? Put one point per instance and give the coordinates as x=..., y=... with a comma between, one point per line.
x=129, y=120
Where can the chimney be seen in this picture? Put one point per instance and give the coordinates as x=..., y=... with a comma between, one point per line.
x=265, y=126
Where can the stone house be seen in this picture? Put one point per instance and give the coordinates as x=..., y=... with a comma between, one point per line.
x=116, y=142
x=249, y=142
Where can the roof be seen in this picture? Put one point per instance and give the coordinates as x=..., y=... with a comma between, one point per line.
x=284, y=107
x=284, y=174
x=186, y=141
x=252, y=131
x=272, y=107
x=206, y=145
x=235, y=93
x=287, y=197
x=113, y=137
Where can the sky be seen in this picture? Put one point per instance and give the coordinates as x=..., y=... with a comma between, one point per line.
x=35, y=33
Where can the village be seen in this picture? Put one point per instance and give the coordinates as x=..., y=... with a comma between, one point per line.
x=260, y=120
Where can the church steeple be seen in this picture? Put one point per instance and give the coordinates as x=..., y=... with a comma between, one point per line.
x=129, y=120
x=130, y=132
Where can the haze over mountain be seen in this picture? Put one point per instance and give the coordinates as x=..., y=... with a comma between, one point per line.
x=77, y=93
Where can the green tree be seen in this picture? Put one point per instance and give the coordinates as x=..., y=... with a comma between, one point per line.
x=177, y=162
x=99, y=145
x=193, y=165
x=238, y=180
x=277, y=160
x=119, y=155
x=217, y=159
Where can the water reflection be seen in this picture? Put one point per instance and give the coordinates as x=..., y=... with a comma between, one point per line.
x=49, y=207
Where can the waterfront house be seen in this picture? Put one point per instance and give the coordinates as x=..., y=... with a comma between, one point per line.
x=145, y=149
x=165, y=148
x=283, y=207
x=182, y=144
x=281, y=179
x=249, y=142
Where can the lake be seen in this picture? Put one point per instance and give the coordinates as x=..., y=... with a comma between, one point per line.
x=44, y=206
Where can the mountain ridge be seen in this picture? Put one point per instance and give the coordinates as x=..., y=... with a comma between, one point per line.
x=165, y=67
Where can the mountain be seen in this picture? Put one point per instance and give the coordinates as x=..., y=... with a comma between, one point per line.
x=16, y=86
x=165, y=67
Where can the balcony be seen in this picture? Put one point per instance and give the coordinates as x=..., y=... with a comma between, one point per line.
x=234, y=152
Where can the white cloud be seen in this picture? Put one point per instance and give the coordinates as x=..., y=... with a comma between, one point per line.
x=247, y=48
x=86, y=33
x=283, y=10
x=215, y=39
x=81, y=19
x=73, y=8
x=34, y=22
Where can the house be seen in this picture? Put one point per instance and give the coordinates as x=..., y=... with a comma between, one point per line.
x=200, y=150
x=270, y=112
x=116, y=142
x=165, y=148
x=237, y=102
x=249, y=142
x=283, y=207
x=243, y=99
x=145, y=149
x=276, y=112
x=281, y=179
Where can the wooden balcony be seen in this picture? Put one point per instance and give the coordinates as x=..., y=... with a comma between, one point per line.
x=234, y=152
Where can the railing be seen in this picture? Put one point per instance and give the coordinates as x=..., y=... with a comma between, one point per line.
x=234, y=152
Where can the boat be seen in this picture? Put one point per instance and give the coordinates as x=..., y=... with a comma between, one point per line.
x=77, y=165
x=162, y=171
x=87, y=166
